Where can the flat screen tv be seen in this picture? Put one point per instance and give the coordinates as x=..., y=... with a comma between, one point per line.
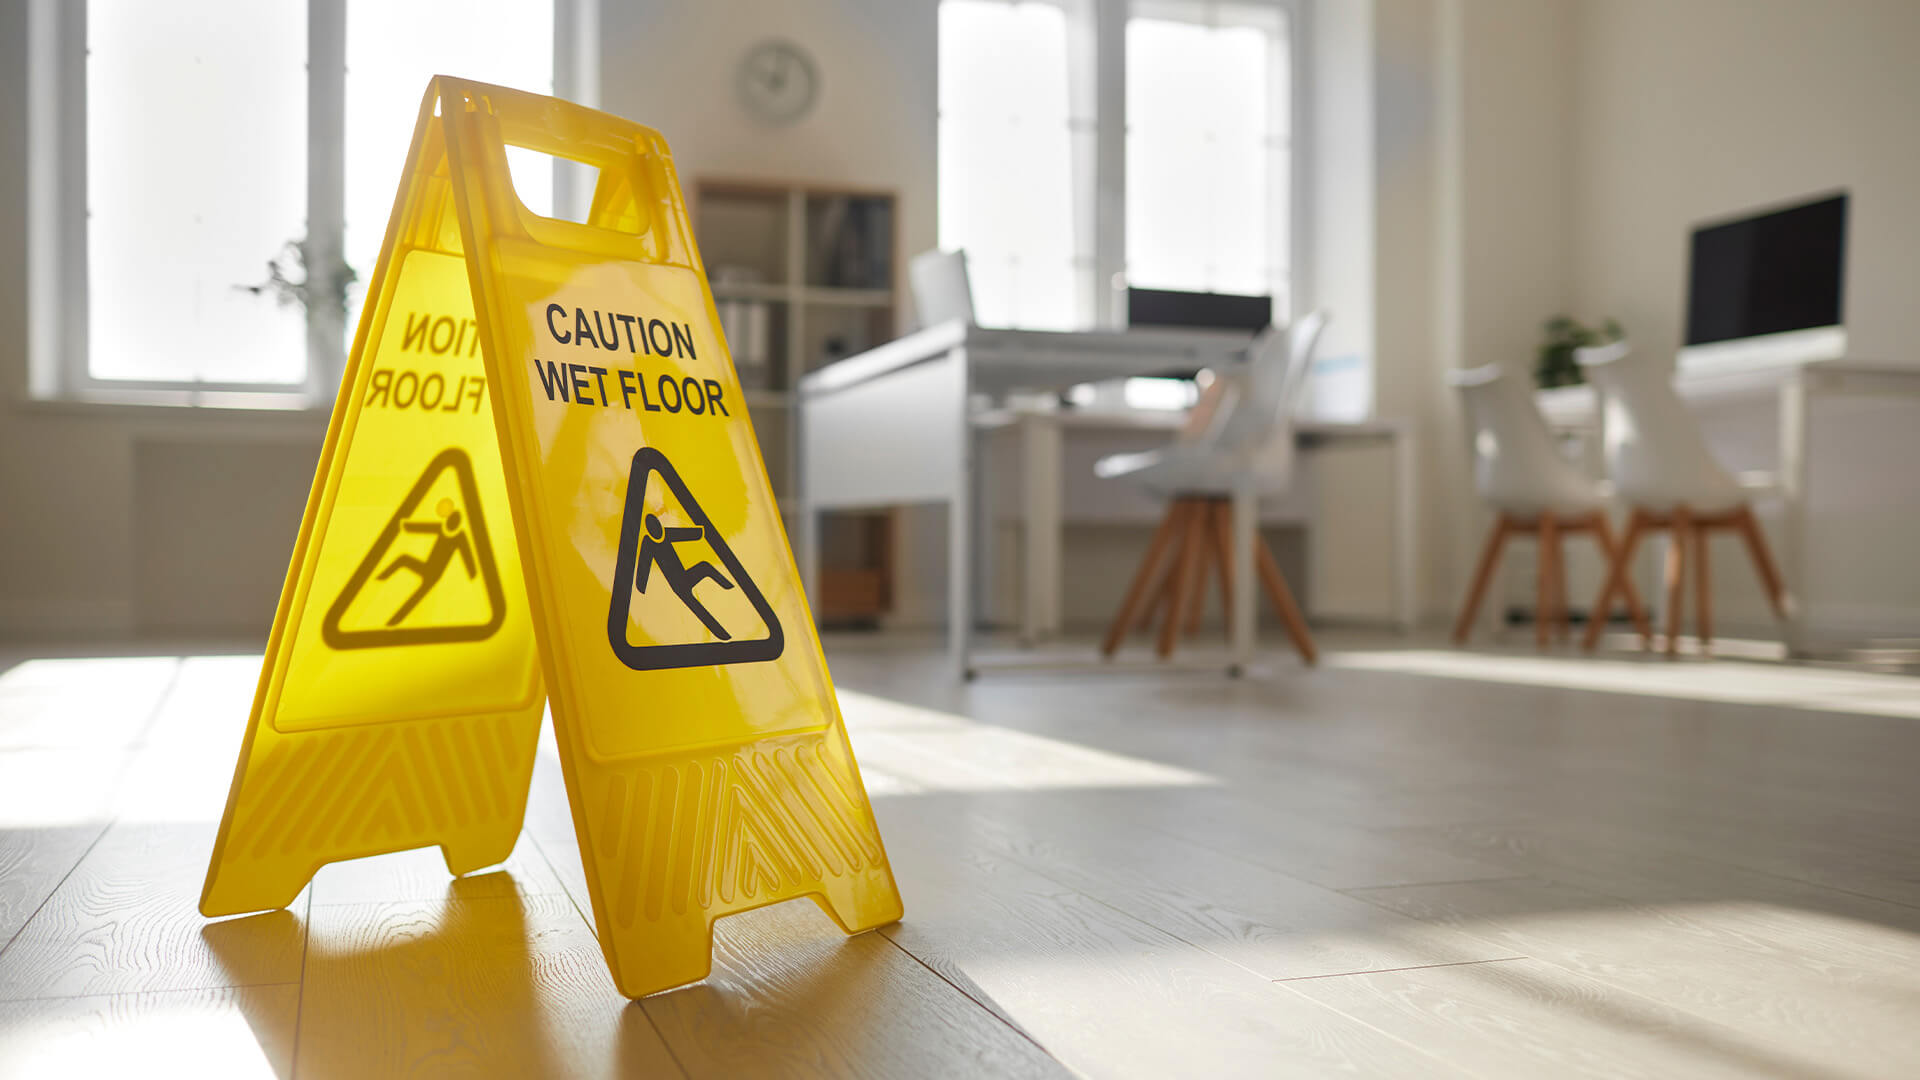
x=1774, y=273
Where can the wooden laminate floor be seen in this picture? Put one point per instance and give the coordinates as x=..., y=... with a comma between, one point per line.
x=1407, y=863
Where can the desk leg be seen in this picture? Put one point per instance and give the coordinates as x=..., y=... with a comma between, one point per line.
x=1793, y=491
x=1246, y=520
x=960, y=518
x=982, y=499
x=1041, y=447
x=1404, y=531
x=806, y=541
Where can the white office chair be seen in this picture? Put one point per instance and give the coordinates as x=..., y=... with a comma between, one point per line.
x=1664, y=473
x=1532, y=489
x=1248, y=436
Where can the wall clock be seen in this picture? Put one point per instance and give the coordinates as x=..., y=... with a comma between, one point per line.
x=777, y=82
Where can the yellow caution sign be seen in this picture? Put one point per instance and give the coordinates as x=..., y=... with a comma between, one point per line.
x=541, y=486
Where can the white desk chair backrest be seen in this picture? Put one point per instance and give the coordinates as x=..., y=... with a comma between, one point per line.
x=941, y=290
x=1655, y=452
x=1516, y=466
x=1259, y=419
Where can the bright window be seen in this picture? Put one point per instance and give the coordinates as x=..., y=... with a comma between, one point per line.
x=199, y=161
x=196, y=176
x=1006, y=172
x=1207, y=148
x=1065, y=183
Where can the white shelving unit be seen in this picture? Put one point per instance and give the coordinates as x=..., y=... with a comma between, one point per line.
x=804, y=274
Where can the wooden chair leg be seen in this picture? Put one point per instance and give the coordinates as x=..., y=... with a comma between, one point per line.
x=1188, y=570
x=1223, y=556
x=1123, y=620
x=1620, y=564
x=1763, y=562
x=1562, y=614
x=1543, y=578
x=1207, y=557
x=1282, y=598
x=1636, y=611
x=1482, y=574
x=1702, y=589
x=1681, y=530
x=1169, y=582
x=1163, y=588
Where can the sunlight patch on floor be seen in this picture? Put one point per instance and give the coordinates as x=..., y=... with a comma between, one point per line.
x=192, y=1033
x=1863, y=693
x=150, y=740
x=921, y=749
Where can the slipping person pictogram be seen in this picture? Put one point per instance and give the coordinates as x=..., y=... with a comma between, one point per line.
x=648, y=544
x=449, y=539
x=657, y=550
x=364, y=616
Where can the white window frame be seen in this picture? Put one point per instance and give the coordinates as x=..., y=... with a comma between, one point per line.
x=1097, y=64
x=57, y=199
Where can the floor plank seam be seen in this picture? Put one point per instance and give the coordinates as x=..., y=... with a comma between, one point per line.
x=153, y=714
x=1353, y=890
x=1720, y=1031
x=981, y=1005
x=432, y=900
x=155, y=992
x=1829, y=886
x=586, y=916
x=585, y=913
x=1409, y=967
x=55, y=891
x=521, y=895
x=139, y=740
x=1041, y=871
x=1440, y=1063
x=1125, y=914
x=1646, y=1000
x=300, y=995
x=665, y=1043
x=1714, y=860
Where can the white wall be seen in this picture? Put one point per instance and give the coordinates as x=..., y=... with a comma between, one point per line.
x=1505, y=262
x=671, y=66
x=1341, y=164
x=1461, y=191
x=1694, y=110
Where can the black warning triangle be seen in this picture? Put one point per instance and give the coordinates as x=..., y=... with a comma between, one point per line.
x=447, y=553
x=638, y=533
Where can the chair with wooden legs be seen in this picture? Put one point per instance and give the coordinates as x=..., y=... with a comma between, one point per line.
x=1195, y=537
x=1534, y=492
x=1248, y=437
x=1668, y=479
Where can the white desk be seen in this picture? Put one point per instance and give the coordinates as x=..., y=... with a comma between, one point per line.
x=896, y=425
x=1793, y=385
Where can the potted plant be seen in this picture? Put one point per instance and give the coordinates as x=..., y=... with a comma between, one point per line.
x=1555, y=366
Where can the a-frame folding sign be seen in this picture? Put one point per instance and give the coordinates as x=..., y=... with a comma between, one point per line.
x=541, y=484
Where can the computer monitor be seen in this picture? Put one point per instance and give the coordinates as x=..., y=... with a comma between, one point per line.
x=1149, y=309
x=1768, y=288
x=1188, y=310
